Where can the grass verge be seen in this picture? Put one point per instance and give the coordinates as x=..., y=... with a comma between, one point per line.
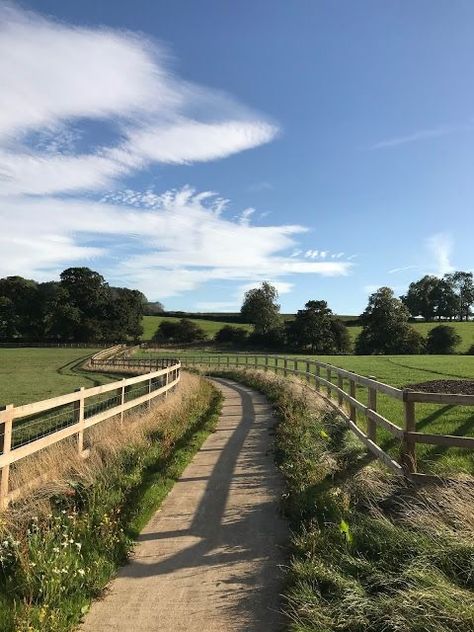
x=60, y=548
x=370, y=553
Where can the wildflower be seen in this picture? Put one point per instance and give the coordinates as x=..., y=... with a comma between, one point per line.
x=79, y=545
x=81, y=572
x=56, y=549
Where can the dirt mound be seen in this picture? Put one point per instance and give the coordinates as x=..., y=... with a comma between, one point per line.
x=455, y=387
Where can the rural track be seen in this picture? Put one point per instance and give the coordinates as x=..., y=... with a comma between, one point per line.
x=210, y=559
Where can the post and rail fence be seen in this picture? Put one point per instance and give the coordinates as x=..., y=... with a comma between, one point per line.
x=27, y=429
x=342, y=394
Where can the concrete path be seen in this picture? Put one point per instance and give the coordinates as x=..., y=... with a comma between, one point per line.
x=209, y=559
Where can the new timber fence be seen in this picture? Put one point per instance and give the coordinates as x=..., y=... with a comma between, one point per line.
x=339, y=387
x=25, y=430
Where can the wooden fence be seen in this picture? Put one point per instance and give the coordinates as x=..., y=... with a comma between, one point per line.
x=339, y=387
x=25, y=430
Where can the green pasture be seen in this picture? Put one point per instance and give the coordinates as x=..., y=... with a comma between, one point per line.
x=32, y=374
x=211, y=327
x=398, y=371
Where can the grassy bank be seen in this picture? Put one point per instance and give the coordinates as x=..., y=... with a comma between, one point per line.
x=369, y=553
x=59, y=548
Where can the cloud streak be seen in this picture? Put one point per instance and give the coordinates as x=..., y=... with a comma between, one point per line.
x=420, y=135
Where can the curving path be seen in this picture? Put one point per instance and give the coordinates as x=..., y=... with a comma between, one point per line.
x=209, y=560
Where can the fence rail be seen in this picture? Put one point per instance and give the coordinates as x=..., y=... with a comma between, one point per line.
x=342, y=394
x=27, y=429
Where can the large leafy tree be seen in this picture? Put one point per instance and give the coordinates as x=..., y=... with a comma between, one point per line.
x=260, y=308
x=25, y=300
x=462, y=284
x=385, y=326
x=431, y=297
x=316, y=329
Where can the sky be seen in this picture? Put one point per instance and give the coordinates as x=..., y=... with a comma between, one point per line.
x=193, y=149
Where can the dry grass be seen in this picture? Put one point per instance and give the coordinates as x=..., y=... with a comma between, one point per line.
x=56, y=466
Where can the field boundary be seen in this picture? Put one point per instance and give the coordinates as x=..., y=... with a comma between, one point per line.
x=346, y=403
x=75, y=414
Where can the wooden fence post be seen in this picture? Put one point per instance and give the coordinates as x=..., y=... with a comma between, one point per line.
x=6, y=445
x=308, y=372
x=317, y=375
x=121, y=394
x=166, y=383
x=295, y=367
x=79, y=419
x=329, y=376
x=149, y=393
x=408, y=455
x=340, y=384
x=285, y=367
x=352, y=393
x=266, y=363
x=372, y=404
x=256, y=362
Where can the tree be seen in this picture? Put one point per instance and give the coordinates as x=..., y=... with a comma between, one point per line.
x=231, y=335
x=260, y=308
x=8, y=319
x=25, y=305
x=154, y=308
x=442, y=339
x=314, y=329
x=431, y=298
x=385, y=327
x=182, y=331
x=462, y=284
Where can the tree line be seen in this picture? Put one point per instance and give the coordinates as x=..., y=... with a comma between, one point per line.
x=386, y=327
x=80, y=307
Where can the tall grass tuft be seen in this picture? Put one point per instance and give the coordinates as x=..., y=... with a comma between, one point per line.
x=370, y=553
x=61, y=545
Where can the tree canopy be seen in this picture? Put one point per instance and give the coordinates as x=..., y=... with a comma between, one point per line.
x=318, y=330
x=261, y=309
x=80, y=307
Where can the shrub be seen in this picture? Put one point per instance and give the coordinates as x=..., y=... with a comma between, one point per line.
x=413, y=343
x=470, y=351
x=231, y=335
x=442, y=339
x=181, y=331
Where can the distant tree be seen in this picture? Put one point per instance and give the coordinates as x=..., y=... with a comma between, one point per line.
x=385, y=327
x=231, y=335
x=442, y=339
x=413, y=343
x=154, y=308
x=182, y=331
x=342, y=338
x=431, y=298
x=8, y=319
x=462, y=284
x=314, y=329
x=261, y=309
x=167, y=331
x=25, y=305
x=124, y=314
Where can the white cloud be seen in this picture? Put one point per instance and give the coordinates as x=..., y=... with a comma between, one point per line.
x=440, y=246
x=402, y=269
x=176, y=244
x=55, y=76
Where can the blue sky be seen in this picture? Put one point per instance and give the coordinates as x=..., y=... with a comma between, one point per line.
x=336, y=139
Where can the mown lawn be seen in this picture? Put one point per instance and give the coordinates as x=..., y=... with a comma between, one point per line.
x=211, y=327
x=32, y=374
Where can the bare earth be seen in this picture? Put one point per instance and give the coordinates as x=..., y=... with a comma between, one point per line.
x=209, y=560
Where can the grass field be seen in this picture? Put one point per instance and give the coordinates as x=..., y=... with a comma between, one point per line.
x=211, y=327
x=32, y=374
x=400, y=371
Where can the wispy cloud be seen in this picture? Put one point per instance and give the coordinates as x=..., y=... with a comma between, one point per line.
x=423, y=134
x=441, y=246
x=402, y=269
x=57, y=78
